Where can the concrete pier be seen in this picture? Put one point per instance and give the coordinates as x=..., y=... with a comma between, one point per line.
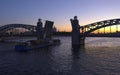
x=39, y=30
x=77, y=37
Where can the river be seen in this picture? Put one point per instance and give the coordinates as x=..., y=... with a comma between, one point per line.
x=99, y=56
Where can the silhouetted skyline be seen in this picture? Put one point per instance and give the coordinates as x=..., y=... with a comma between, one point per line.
x=59, y=11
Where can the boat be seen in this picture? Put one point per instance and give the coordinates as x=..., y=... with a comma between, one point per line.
x=35, y=44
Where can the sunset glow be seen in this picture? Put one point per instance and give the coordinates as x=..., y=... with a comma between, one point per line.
x=88, y=11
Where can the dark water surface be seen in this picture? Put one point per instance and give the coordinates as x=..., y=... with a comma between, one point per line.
x=100, y=56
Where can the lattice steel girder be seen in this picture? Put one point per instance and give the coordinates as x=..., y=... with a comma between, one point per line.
x=97, y=25
x=9, y=26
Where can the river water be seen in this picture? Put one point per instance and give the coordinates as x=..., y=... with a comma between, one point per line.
x=99, y=56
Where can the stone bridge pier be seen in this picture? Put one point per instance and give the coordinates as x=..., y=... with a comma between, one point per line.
x=77, y=36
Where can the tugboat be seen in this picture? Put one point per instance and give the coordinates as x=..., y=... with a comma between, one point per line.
x=44, y=38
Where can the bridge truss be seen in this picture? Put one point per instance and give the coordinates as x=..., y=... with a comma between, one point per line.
x=98, y=25
x=12, y=26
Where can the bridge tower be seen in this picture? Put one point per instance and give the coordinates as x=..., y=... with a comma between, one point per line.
x=39, y=29
x=77, y=37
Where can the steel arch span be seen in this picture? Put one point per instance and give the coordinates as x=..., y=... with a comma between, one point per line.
x=97, y=25
x=80, y=32
x=12, y=26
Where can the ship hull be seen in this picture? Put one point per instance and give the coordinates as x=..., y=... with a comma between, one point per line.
x=29, y=47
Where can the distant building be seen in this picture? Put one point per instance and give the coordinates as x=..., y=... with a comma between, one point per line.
x=54, y=29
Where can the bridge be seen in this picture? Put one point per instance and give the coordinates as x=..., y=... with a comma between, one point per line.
x=40, y=31
x=98, y=25
x=17, y=29
x=12, y=26
x=80, y=32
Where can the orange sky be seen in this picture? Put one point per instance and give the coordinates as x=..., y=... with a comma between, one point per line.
x=68, y=28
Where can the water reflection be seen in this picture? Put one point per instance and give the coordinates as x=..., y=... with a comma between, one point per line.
x=78, y=55
x=91, y=59
x=77, y=51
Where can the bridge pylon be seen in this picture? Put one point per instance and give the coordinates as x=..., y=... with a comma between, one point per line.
x=39, y=30
x=77, y=37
